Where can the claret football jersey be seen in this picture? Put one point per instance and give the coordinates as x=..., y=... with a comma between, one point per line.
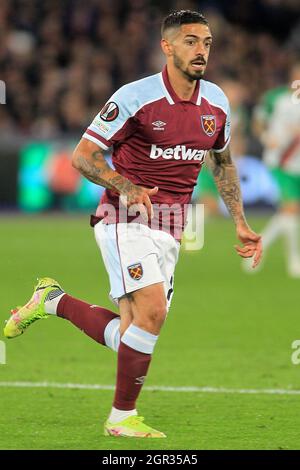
x=158, y=139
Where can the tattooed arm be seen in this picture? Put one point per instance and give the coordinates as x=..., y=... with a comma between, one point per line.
x=228, y=184
x=89, y=160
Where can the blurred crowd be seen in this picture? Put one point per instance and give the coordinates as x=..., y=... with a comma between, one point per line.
x=62, y=59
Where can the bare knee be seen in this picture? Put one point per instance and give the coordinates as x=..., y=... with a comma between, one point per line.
x=149, y=307
x=152, y=319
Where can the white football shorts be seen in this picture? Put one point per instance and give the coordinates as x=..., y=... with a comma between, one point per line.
x=136, y=256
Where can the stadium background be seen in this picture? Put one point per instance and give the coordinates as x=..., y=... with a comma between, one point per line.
x=60, y=61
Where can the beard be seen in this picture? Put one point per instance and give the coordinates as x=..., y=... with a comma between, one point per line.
x=190, y=75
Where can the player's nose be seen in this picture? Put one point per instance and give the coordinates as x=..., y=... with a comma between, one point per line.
x=201, y=49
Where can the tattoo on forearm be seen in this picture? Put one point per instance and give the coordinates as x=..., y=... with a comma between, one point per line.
x=97, y=156
x=98, y=171
x=94, y=173
x=125, y=187
x=227, y=181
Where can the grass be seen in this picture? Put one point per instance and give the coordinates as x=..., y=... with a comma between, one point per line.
x=225, y=329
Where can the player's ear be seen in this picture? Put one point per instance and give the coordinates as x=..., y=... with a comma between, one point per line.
x=166, y=47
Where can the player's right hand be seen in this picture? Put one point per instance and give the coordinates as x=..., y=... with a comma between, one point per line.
x=137, y=199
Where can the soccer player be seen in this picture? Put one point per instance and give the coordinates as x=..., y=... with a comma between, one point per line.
x=160, y=129
x=277, y=122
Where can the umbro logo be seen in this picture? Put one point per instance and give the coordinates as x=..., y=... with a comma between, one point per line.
x=159, y=125
x=140, y=380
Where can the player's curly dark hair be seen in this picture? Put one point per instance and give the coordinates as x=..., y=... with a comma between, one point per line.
x=179, y=17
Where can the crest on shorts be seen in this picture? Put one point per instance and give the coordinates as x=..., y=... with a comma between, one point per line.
x=110, y=112
x=209, y=124
x=136, y=271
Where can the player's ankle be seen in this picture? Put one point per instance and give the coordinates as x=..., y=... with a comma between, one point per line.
x=52, y=300
x=119, y=415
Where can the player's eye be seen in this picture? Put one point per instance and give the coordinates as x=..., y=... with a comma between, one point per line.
x=190, y=42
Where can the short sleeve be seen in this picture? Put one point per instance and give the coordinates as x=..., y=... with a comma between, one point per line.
x=223, y=138
x=115, y=122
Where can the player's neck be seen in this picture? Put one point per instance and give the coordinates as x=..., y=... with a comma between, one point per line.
x=183, y=88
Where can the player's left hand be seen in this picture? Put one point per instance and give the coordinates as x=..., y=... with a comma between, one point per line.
x=252, y=244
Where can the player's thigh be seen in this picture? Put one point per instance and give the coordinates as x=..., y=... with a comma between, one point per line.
x=130, y=257
x=106, y=239
x=168, y=249
x=138, y=257
x=126, y=312
x=149, y=307
x=289, y=191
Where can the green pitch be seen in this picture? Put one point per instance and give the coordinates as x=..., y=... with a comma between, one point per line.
x=225, y=330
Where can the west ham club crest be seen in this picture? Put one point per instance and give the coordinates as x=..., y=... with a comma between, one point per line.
x=209, y=124
x=136, y=271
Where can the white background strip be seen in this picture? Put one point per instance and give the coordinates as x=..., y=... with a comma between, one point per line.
x=262, y=391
